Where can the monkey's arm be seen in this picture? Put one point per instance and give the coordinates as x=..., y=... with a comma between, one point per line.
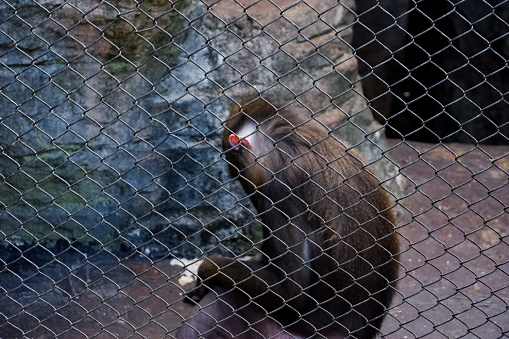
x=269, y=284
x=229, y=272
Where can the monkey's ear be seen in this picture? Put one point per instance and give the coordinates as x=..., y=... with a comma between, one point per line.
x=235, y=142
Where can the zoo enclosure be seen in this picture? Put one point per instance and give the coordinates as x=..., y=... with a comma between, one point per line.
x=110, y=120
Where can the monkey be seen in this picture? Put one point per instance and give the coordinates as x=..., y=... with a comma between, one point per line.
x=328, y=262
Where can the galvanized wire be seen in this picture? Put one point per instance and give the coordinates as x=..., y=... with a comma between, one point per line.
x=113, y=182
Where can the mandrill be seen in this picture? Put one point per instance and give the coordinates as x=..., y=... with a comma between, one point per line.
x=328, y=261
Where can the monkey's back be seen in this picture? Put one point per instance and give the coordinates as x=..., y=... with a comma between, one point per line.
x=348, y=219
x=356, y=262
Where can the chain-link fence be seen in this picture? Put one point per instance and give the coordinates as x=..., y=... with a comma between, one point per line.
x=343, y=165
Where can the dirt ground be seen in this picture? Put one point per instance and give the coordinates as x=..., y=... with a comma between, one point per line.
x=453, y=219
x=454, y=228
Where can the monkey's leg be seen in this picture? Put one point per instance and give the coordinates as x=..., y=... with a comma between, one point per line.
x=230, y=314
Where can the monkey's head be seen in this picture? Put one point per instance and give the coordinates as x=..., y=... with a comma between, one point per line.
x=247, y=142
x=262, y=142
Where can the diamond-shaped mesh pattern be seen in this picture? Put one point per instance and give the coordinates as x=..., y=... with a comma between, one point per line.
x=116, y=182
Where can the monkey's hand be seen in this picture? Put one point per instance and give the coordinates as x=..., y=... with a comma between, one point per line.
x=208, y=269
x=197, y=293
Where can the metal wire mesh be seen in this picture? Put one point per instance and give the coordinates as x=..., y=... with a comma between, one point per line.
x=114, y=184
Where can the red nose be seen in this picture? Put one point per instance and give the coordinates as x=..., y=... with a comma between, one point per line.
x=235, y=142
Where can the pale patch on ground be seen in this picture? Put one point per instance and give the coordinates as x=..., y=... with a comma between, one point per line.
x=190, y=270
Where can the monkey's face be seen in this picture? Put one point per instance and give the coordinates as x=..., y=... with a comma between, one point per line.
x=246, y=149
x=242, y=138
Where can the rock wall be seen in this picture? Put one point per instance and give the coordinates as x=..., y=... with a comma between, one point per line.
x=436, y=73
x=111, y=115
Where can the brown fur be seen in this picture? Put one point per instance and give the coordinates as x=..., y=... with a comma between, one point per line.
x=329, y=255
